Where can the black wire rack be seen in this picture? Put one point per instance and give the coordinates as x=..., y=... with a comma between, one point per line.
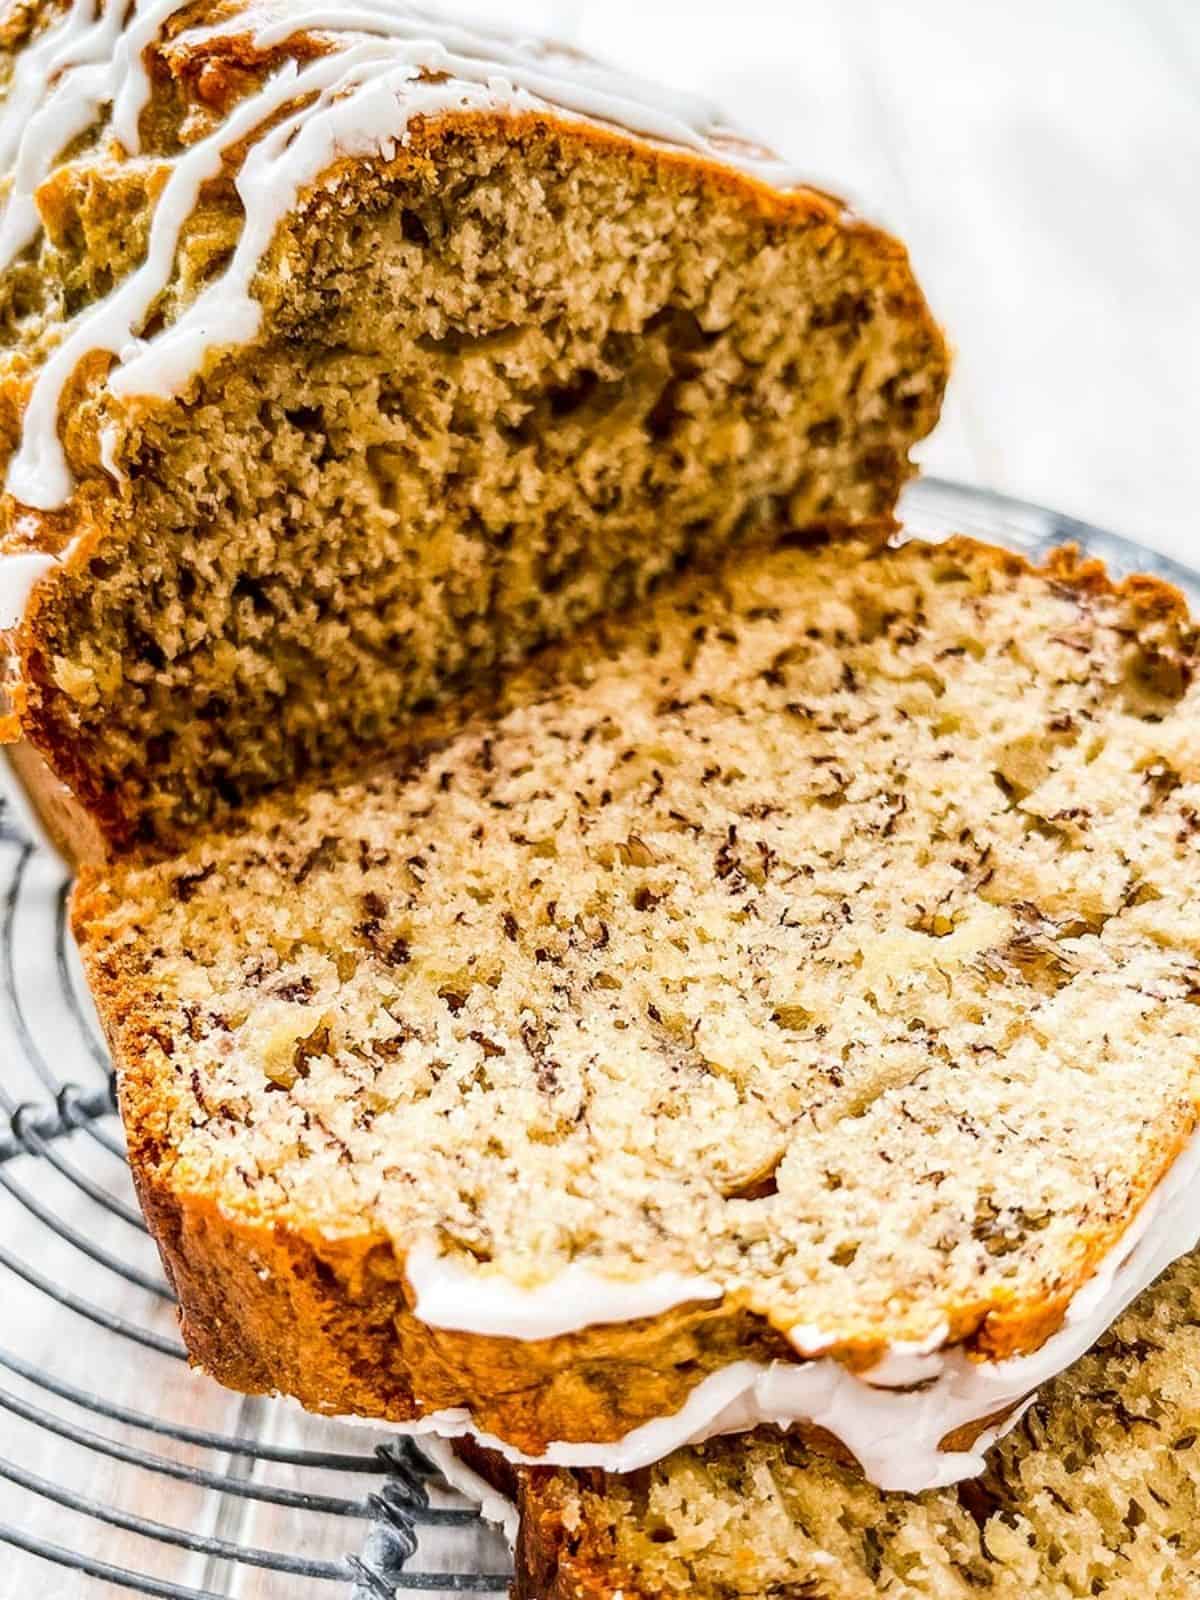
x=119, y=1466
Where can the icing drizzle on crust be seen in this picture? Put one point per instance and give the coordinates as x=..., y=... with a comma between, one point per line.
x=898, y=1419
x=388, y=64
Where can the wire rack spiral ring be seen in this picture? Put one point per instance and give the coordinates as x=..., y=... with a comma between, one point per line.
x=192, y=1493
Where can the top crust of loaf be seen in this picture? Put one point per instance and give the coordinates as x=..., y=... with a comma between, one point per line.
x=823, y=931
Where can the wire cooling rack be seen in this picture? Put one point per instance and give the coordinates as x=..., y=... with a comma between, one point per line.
x=121, y=1470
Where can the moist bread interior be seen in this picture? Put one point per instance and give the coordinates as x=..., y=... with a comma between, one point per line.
x=826, y=930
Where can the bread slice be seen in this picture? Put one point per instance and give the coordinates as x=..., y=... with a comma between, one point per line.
x=801, y=972
x=1096, y=1495
x=445, y=343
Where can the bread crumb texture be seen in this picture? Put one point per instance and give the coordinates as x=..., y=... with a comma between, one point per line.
x=1095, y=1496
x=826, y=930
x=503, y=382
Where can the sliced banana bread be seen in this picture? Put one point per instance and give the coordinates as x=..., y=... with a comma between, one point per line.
x=1095, y=1496
x=346, y=355
x=805, y=970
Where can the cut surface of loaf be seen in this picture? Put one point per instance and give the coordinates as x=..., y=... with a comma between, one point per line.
x=422, y=358
x=815, y=952
x=1094, y=1496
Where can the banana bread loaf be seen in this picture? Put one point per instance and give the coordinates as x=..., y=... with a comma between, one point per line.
x=778, y=1004
x=345, y=360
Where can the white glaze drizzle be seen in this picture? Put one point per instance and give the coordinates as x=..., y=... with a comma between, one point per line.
x=19, y=572
x=493, y=1506
x=34, y=128
x=450, y=1295
x=895, y=1432
x=363, y=99
x=60, y=83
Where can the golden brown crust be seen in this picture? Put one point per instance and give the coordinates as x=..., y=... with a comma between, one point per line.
x=202, y=71
x=330, y=1323
x=557, y=1558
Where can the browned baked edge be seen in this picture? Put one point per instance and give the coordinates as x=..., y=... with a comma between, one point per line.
x=558, y=1556
x=265, y=1307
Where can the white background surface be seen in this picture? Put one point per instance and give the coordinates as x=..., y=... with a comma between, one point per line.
x=1041, y=158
